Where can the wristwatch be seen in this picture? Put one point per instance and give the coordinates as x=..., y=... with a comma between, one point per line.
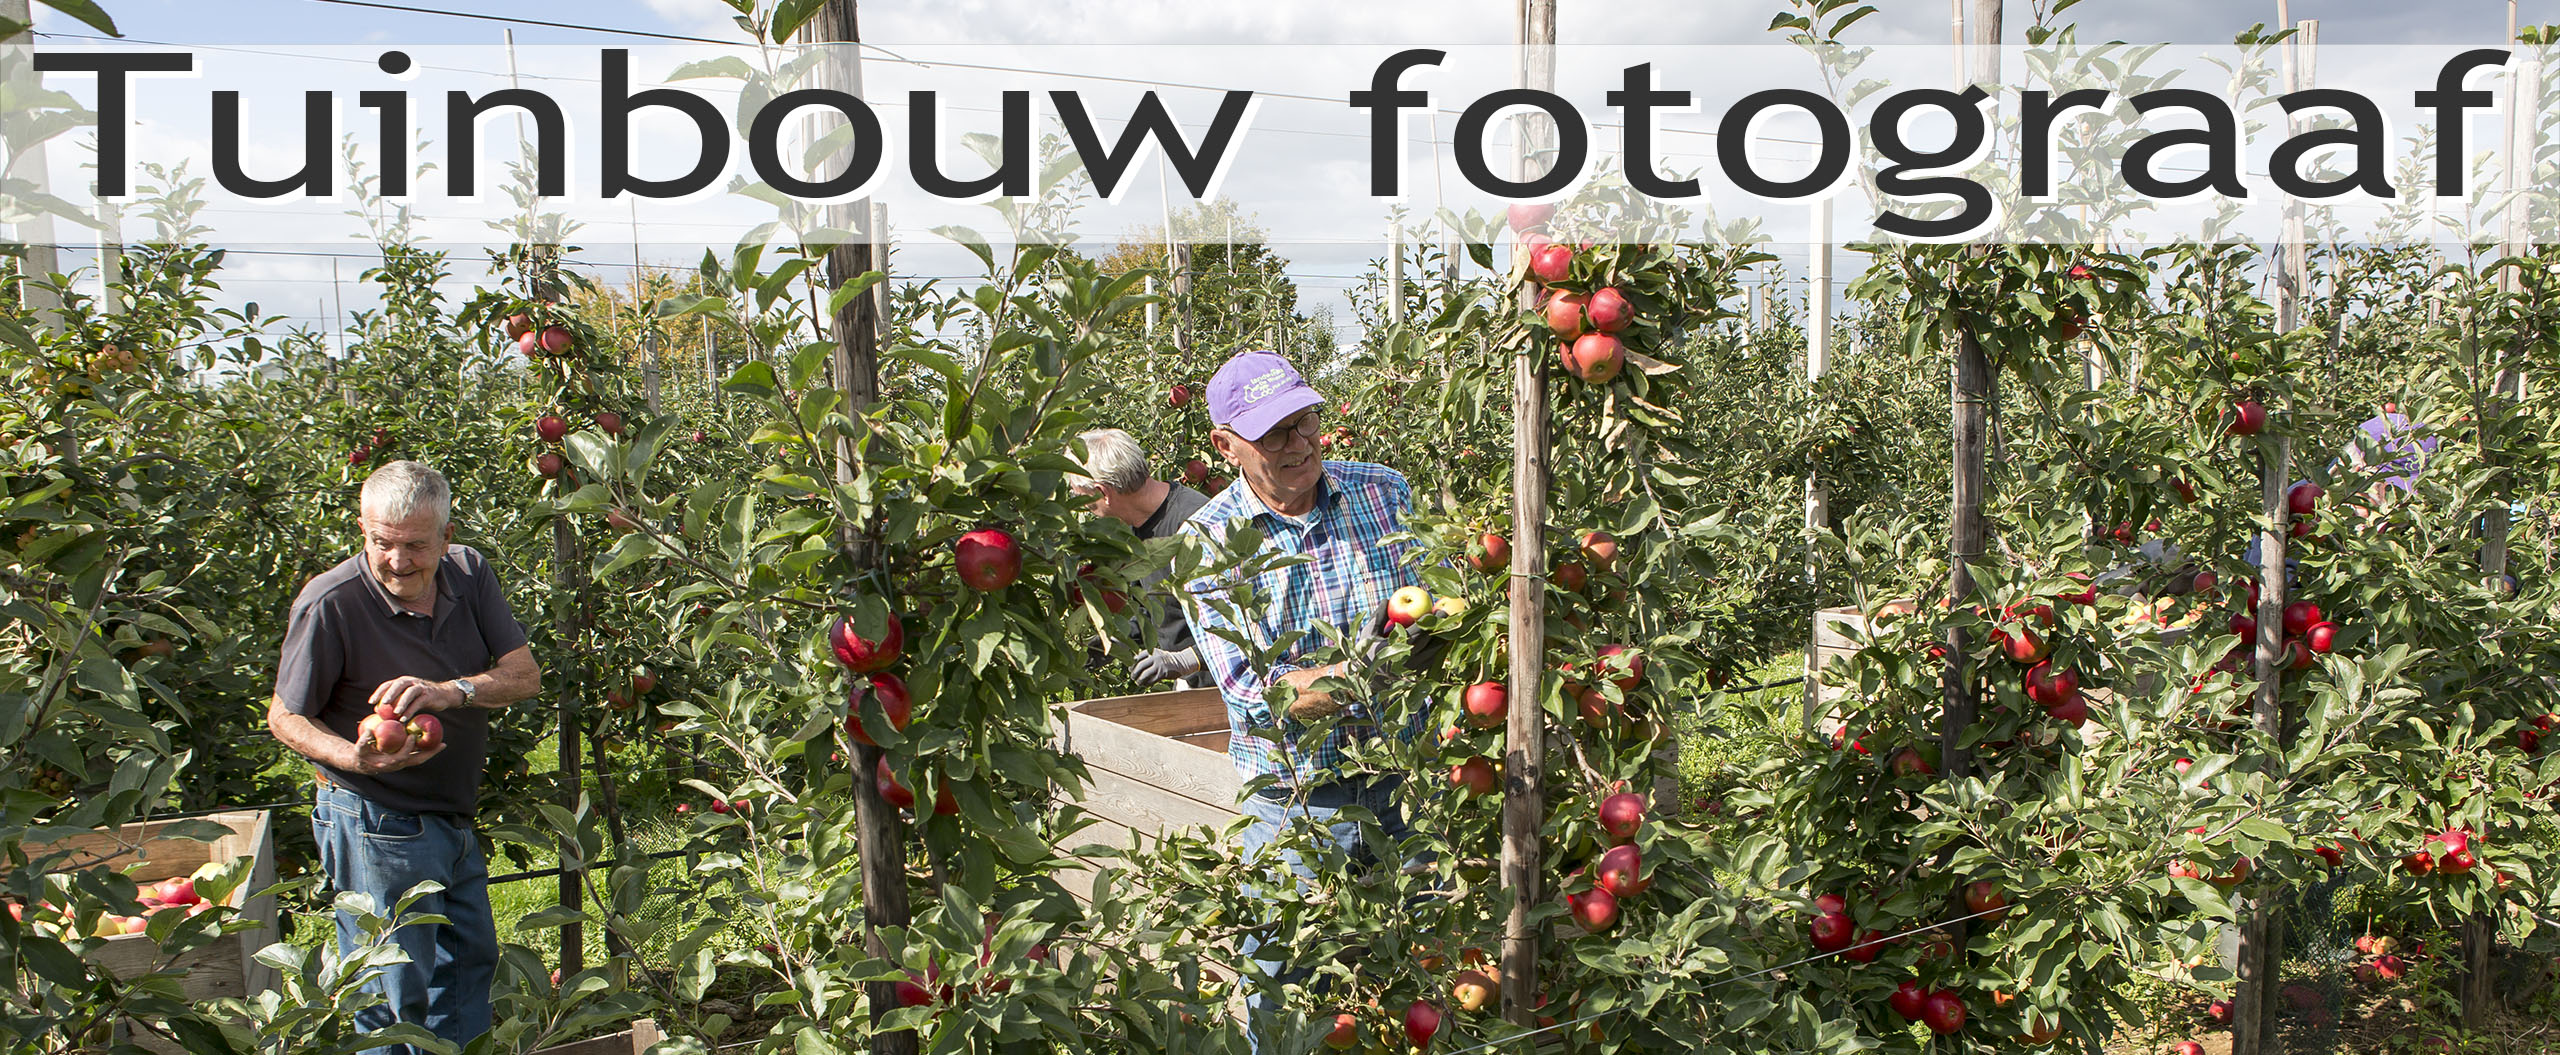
x=470, y=692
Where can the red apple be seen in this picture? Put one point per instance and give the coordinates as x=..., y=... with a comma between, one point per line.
x=1471, y=990
x=1621, y=815
x=2299, y=616
x=2022, y=645
x=864, y=657
x=895, y=705
x=385, y=734
x=1529, y=215
x=529, y=345
x=2419, y=863
x=426, y=730
x=555, y=339
x=2303, y=497
x=1595, y=357
x=517, y=326
x=1421, y=1021
x=1475, y=776
x=1177, y=396
x=2390, y=968
x=1563, y=314
x=2186, y=1047
x=2050, y=687
x=1407, y=604
x=1345, y=1034
x=1569, y=576
x=720, y=806
x=1908, y=999
x=2218, y=1012
x=913, y=994
x=609, y=423
x=1833, y=932
x=179, y=891
x=896, y=793
x=2322, y=636
x=1487, y=703
x=1552, y=262
x=987, y=559
x=2069, y=712
x=1195, y=472
x=1868, y=945
x=1984, y=898
x=1609, y=310
x=1601, y=549
x=2248, y=416
x=2454, y=840
x=1831, y=905
x=1491, y=553
x=1621, y=871
x=1909, y=762
x=549, y=464
x=1943, y=1012
x=1629, y=670
x=1593, y=910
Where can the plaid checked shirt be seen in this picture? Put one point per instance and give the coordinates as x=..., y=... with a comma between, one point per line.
x=1350, y=571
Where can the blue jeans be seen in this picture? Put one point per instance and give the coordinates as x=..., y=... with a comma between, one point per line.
x=367, y=849
x=1271, y=817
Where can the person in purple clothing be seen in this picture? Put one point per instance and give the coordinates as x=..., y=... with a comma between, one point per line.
x=1337, y=517
x=2392, y=433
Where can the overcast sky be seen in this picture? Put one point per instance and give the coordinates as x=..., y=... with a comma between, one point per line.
x=303, y=286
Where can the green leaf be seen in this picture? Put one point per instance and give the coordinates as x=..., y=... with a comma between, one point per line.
x=88, y=13
x=789, y=16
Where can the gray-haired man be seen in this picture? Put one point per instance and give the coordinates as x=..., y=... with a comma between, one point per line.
x=414, y=624
x=1122, y=488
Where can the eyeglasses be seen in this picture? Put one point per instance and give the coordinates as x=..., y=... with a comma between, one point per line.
x=1277, y=440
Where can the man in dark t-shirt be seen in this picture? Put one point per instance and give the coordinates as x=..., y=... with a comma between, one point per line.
x=414, y=632
x=1117, y=479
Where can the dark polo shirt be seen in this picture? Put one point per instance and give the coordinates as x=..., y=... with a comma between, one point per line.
x=347, y=637
x=1173, y=630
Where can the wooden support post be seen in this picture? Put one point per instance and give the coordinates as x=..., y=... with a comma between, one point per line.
x=1395, y=273
x=879, y=833
x=40, y=301
x=565, y=577
x=649, y=369
x=1973, y=388
x=2262, y=925
x=1817, y=362
x=1524, y=755
x=2476, y=981
x=710, y=362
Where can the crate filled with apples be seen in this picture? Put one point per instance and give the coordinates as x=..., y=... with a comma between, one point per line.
x=178, y=870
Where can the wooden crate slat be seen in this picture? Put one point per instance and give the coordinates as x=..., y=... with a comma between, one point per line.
x=1183, y=769
x=1147, y=808
x=1166, y=713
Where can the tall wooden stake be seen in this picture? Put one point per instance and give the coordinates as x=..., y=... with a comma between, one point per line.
x=1817, y=362
x=1524, y=757
x=1972, y=390
x=2524, y=140
x=1395, y=273
x=879, y=834
x=2261, y=950
x=40, y=301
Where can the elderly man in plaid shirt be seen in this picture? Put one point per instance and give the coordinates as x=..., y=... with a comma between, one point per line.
x=1337, y=515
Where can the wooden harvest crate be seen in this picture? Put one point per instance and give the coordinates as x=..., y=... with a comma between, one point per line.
x=1159, y=764
x=228, y=967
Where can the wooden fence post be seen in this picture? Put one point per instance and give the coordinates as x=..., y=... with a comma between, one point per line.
x=1524, y=751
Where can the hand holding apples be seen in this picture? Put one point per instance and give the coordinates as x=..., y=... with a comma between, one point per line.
x=385, y=743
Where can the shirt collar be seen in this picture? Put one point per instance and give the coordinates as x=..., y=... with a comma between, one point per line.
x=445, y=586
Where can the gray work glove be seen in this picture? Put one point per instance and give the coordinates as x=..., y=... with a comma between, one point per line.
x=1161, y=664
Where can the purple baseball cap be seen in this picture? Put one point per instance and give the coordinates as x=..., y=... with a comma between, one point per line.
x=1255, y=391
